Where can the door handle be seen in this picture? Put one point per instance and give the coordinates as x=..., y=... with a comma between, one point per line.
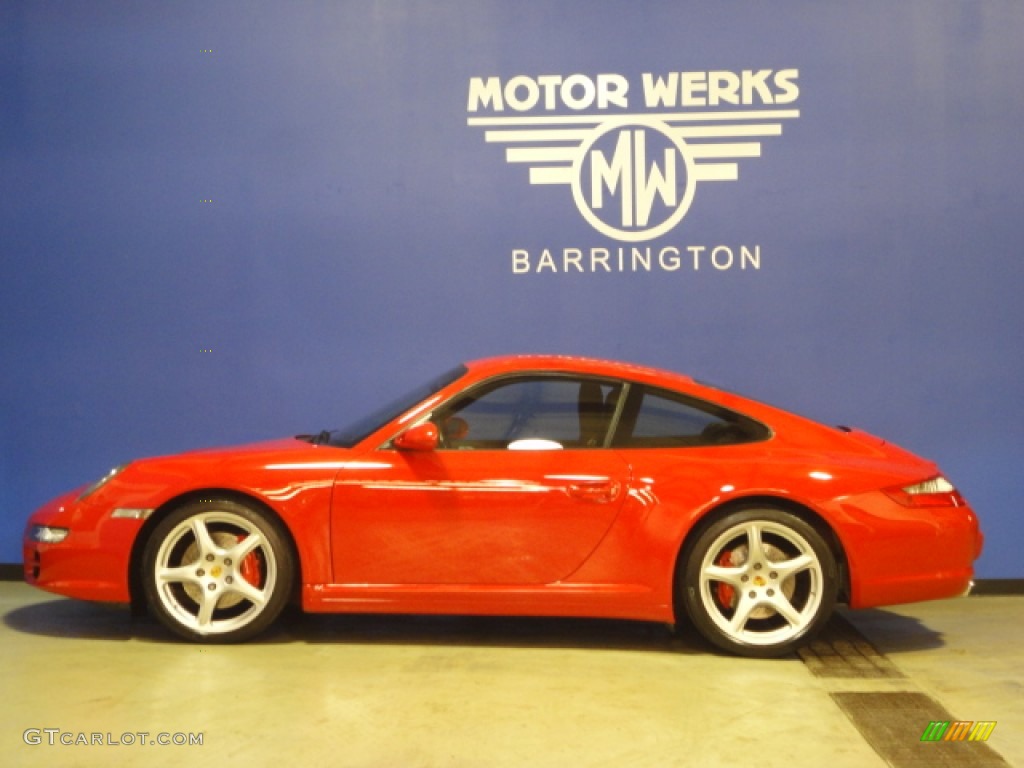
x=598, y=491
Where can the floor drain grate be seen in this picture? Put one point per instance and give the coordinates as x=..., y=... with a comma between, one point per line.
x=895, y=724
x=841, y=651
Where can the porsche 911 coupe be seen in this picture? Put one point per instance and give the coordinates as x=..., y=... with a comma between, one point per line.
x=524, y=486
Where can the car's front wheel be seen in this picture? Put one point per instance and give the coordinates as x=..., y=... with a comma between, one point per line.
x=217, y=571
x=759, y=582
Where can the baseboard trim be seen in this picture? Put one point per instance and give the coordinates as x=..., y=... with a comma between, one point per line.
x=984, y=587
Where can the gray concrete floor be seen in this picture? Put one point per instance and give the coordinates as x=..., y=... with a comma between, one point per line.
x=398, y=692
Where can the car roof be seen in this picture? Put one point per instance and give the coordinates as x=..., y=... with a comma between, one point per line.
x=576, y=364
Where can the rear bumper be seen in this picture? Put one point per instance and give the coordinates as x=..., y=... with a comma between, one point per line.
x=899, y=555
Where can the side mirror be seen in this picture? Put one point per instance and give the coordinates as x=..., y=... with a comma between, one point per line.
x=422, y=437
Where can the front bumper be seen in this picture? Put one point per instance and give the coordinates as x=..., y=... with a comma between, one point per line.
x=91, y=562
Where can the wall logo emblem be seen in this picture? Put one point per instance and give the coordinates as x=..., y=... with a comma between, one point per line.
x=633, y=174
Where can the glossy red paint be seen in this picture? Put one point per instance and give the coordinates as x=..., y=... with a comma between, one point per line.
x=593, y=528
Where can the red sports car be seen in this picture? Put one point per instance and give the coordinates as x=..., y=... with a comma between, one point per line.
x=532, y=486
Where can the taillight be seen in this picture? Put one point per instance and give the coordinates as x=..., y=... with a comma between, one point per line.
x=934, y=492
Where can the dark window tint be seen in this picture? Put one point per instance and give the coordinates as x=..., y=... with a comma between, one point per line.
x=661, y=419
x=530, y=413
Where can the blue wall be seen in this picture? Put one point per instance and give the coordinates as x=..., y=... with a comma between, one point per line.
x=361, y=231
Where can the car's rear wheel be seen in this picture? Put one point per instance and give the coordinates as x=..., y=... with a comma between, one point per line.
x=217, y=571
x=759, y=582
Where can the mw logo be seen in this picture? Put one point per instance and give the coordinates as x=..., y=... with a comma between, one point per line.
x=625, y=172
x=958, y=730
x=633, y=173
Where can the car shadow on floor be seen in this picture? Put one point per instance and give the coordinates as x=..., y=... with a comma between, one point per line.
x=74, y=619
x=893, y=632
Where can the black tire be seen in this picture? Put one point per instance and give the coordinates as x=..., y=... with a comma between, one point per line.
x=758, y=582
x=217, y=571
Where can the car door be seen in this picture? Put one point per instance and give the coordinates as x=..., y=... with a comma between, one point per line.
x=520, y=490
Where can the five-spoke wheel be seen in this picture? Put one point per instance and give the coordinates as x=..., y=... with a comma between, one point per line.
x=217, y=571
x=759, y=582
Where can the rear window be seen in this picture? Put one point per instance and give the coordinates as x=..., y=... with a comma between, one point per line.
x=657, y=418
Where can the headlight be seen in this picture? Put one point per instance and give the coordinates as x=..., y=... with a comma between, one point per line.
x=934, y=492
x=101, y=482
x=46, y=534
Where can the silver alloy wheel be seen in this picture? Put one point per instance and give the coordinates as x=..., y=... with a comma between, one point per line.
x=215, y=572
x=761, y=583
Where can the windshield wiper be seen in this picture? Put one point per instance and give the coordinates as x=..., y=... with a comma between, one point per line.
x=320, y=439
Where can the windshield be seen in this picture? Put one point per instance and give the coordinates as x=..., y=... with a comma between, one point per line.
x=350, y=435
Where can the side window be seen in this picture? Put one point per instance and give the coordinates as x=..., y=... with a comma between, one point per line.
x=531, y=413
x=666, y=419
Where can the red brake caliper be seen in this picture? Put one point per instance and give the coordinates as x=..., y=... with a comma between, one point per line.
x=251, y=567
x=726, y=592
